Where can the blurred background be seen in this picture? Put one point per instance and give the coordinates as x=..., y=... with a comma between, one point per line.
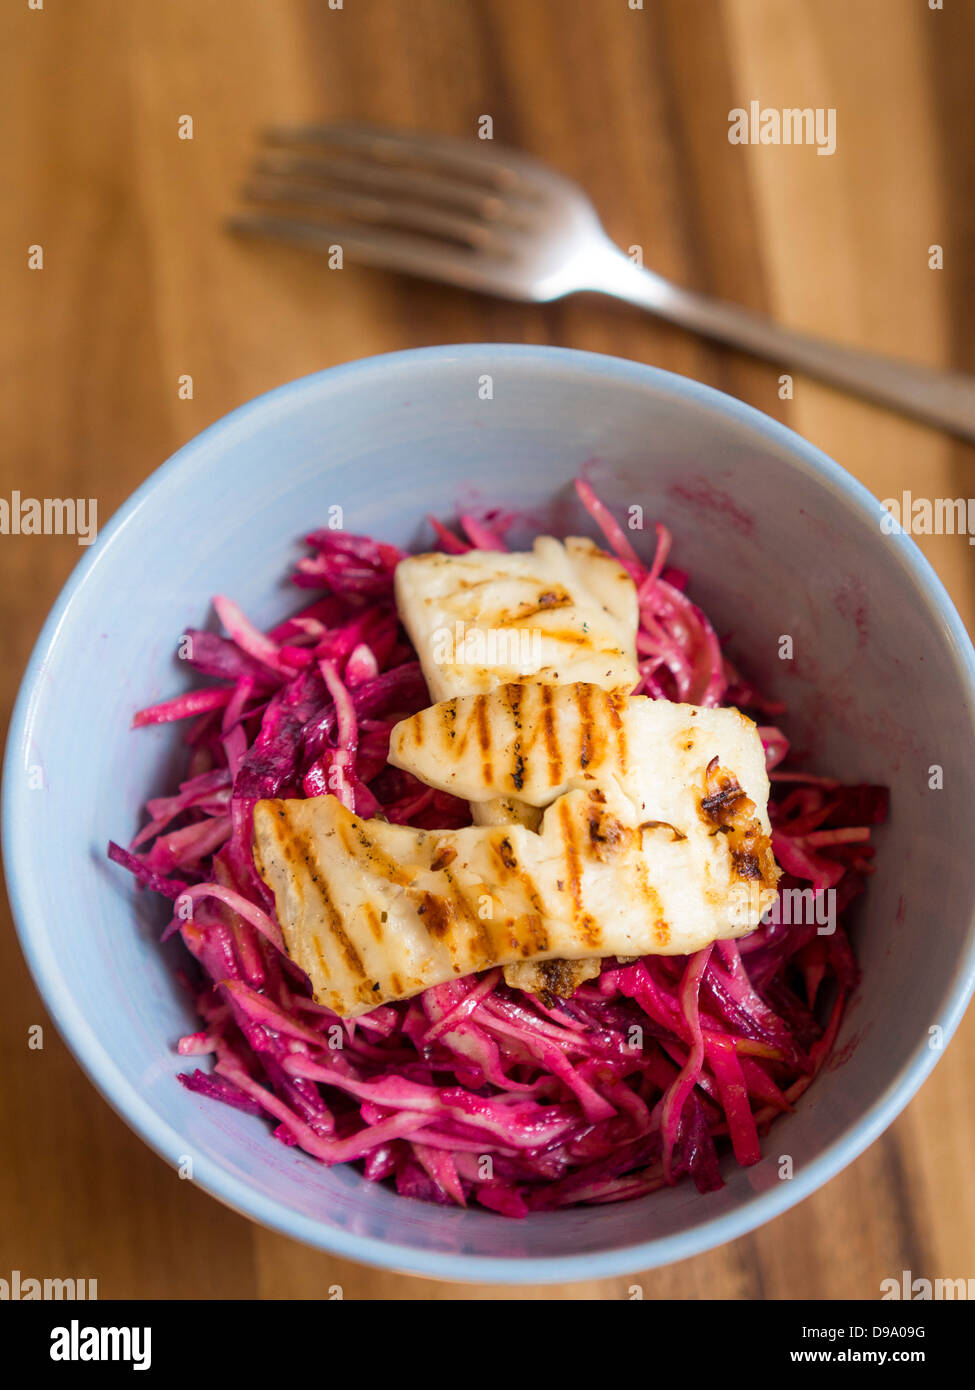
x=141, y=286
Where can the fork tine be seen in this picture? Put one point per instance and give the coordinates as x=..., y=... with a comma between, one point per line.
x=390, y=212
x=389, y=250
x=478, y=162
x=383, y=179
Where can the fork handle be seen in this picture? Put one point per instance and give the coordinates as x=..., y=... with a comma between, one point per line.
x=941, y=398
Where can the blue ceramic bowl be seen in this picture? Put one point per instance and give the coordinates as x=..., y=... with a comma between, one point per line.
x=778, y=540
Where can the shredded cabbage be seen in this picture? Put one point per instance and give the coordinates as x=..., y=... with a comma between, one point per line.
x=474, y=1092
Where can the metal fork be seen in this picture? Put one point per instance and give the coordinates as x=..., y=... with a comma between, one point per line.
x=487, y=218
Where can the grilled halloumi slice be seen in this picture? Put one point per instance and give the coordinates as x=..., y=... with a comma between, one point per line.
x=374, y=912
x=531, y=742
x=556, y=612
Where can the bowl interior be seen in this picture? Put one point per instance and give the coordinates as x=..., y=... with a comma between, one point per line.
x=778, y=542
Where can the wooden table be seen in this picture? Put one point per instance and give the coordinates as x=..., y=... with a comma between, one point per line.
x=140, y=285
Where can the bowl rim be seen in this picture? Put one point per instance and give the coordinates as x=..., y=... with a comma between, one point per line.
x=236, y=1193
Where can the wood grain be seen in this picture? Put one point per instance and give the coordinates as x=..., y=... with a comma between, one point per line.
x=141, y=285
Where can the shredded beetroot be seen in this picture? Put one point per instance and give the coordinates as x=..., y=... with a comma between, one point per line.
x=474, y=1092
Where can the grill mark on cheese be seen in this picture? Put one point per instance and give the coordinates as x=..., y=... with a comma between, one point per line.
x=448, y=720
x=445, y=855
x=569, y=636
x=615, y=708
x=336, y=922
x=437, y=914
x=588, y=735
x=286, y=849
x=518, y=771
x=484, y=739
x=551, y=737
x=541, y=936
x=547, y=601
x=468, y=914
x=373, y=922
x=607, y=835
x=660, y=928
x=533, y=938
x=746, y=864
x=513, y=695
x=529, y=723
x=532, y=894
x=584, y=923
x=444, y=718
x=530, y=716
x=321, y=959
x=352, y=833
x=725, y=800
x=732, y=812
x=465, y=729
x=506, y=855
